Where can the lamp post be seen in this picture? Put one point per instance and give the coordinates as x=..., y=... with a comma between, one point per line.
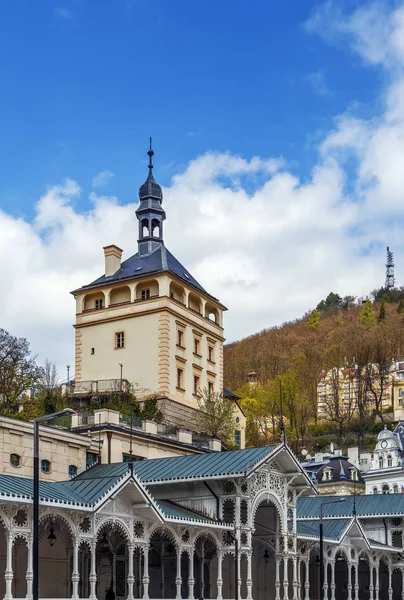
x=35, y=545
x=120, y=385
x=322, y=544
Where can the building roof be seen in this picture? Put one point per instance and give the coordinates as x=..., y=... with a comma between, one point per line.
x=158, y=261
x=340, y=470
x=369, y=505
x=334, y=529
x=203, y=466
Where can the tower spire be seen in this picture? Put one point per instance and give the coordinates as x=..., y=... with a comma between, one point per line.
x=389, y=284
x=150, y=212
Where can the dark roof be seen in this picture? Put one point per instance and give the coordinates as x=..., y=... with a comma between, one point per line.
x=340, y=467
x=369, y=505
x=202, y=466
x=159, y=261
x=334, y=529
x=228, y=394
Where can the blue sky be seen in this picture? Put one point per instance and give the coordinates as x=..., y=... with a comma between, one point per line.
x=85, y=83
x=278, y=129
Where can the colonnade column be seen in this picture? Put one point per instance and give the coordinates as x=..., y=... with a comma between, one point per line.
x=356, y=586
x=349, y=586
x=277, y=577
x=295, y=580
x=332, y=565
x=286, y=577
x=249, y=575
x=219, y=581
x=371, y=587
x=93, y=571
x=130, y=578
x=178, y=578
x=8, y=575
x=146, y=578
x=30, y=574
x=307, y=580
x=325, y=588
x=390, y=591
x=75, y=570
x=377, y=582
x=191, y=578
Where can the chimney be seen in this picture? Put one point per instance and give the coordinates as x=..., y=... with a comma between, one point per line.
x=113, y=256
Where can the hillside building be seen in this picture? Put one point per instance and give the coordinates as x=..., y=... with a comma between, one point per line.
x=148, y=325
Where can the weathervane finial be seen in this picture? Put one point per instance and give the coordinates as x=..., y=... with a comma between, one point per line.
x=151, y=154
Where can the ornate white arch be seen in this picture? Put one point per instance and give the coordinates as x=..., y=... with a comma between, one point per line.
x=166, y=530
x=267, y=495
x=57, y=515
x=206, y=534
x=115, y=523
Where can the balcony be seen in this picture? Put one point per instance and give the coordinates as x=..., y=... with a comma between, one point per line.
x=101, y=386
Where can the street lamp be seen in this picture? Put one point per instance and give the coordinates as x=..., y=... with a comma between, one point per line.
x=68, y=376
x=322, y=544
x=120, y=386
x=35, y=545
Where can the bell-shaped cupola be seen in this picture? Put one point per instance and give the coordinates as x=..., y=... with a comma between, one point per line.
x=150, y=212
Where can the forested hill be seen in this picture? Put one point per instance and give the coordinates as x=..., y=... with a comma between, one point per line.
x=338, y=330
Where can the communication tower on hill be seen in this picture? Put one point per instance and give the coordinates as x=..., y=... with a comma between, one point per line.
x=389, y=285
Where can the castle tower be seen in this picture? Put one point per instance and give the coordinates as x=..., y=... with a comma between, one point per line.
x=148, y=323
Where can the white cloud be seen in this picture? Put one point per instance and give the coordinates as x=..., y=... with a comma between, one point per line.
x=269, y=245
x=63, y=13
x=102, y=179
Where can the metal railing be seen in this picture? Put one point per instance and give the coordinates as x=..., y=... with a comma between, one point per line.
x=101, y=386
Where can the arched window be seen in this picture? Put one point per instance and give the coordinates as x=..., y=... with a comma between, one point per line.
x=375, y=490
x=155, y=228
x=45, y=466
x=385, y=489
x=400, y=393
x=354, y=475
x=145, y=228
x=72, y=470
x=395, y=489
x=381, y=461
x=389, y=461
x=15, y=460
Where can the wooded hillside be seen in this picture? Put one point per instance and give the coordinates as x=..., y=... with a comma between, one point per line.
x=338, y=332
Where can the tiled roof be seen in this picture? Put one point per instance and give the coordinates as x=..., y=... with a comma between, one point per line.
x=370, y=505
x=202, y=466
x=340, y=470
x=158, y=261
x=334, y=529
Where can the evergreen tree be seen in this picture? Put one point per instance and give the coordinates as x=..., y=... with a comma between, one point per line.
x=382, y=312
x=367, y=314
x=314, y=320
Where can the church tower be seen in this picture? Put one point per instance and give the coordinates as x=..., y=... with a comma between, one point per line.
x=148, y=323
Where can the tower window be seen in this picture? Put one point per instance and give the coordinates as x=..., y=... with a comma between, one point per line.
x=180, y=378
x=237, y=438
x=381, y=463
x=196, y=346
x=15, y=460
x=210, y=390
x=98, y=303
x=119, y=340
x=389, y=461
x=145, y=294
x=45, y=466
x=92, y=350
x=180, y=338
x=196, y=385
x=210, y=354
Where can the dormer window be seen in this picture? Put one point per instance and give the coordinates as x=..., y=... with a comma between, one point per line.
x=354, y=475
x=326, y=475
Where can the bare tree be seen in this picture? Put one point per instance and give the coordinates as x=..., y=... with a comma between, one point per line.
x=216, y=416
x=18, y=370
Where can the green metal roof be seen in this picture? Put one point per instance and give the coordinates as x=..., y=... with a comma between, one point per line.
x=334, y=529
x=202, y=466
x=177, y=512
x=21, y=487
x=370, y=505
